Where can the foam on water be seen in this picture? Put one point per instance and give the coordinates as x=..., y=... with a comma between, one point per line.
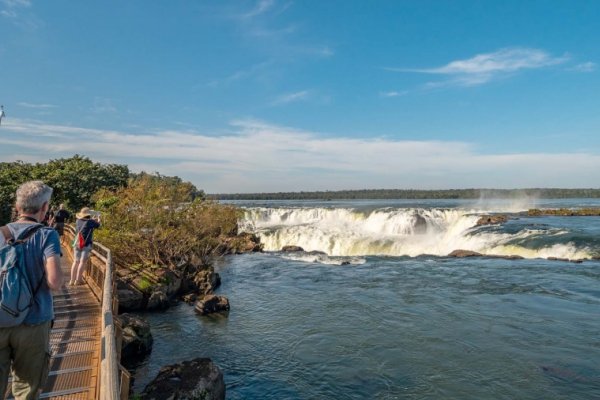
x=345, y=232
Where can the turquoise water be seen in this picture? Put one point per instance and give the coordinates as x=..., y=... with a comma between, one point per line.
x=398, y=327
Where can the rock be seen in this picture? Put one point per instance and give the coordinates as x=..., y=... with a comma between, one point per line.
x=211, y=304
x=243, y=243
x=513, y=257
x=206, y=281
x=169, y=279
x=291, y=248
x=491, y=220
x=190, y=380
x=130, y=299
x=158, y=299
x=420, y=224
x=557, y=259
x=190, y=298
x=137, y=339
x=464, y=253
x=576, y=261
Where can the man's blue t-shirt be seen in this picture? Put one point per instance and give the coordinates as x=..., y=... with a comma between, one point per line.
x=41, y=245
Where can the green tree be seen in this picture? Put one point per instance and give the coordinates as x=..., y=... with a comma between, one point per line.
x=74, y=179
x=162, y=221
x=12, y=174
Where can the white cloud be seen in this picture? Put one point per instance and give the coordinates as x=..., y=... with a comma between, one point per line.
x=256, y=70
x=12, y=6
x=585, y=67
x=8, y=13
x=259, y=156
x=483, y=68
x=37, y=106
x=393, y=93
x=17, y=3
x=261, y=7
x=291, y=97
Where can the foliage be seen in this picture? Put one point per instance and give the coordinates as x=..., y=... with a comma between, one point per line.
x=159, y=220
x=11, y=176
x=74, y=180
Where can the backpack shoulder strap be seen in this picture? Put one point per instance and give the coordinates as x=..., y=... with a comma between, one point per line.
x=6, y=233
x=30, y=232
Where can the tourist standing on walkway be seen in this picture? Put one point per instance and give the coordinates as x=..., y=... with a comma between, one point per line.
x=26, y=347
x=85, y=226
x=60, y=217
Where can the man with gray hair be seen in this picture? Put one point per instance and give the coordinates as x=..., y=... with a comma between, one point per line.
x=26, y=347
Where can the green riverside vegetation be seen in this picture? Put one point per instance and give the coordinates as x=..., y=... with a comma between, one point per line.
x=147, y=220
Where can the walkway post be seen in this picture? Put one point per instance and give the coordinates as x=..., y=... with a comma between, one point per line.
x=109, y=366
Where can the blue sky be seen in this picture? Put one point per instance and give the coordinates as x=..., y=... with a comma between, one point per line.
x=277, y=95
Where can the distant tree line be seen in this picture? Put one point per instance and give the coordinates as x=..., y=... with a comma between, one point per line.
x=374, y=194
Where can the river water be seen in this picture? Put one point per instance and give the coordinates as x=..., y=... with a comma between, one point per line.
x=375, y=310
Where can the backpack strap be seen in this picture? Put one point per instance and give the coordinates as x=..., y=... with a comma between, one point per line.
x=7, y=234
x=10, y=240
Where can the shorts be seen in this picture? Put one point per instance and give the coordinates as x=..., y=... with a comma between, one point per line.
x=27, y=349
x=85, y=252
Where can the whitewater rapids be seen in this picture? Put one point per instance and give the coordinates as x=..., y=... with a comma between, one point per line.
x=389, y=231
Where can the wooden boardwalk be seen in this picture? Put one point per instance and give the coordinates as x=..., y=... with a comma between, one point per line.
x=75, y=342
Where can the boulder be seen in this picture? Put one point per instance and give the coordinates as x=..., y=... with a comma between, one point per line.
x=196, y=379
x=492, y=220
x=158, y=300
x=291, y=249
x=137, y=339
x=130, y=299
x=190, y=298
x=557, y=259
x=464, y=253
x=169, y=279
x=243, y=243
x=210, y=304
x=206, y=281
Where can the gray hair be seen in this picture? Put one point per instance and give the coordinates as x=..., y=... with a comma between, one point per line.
x=32, y=195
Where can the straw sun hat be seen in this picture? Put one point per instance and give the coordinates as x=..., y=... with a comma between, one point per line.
x=85, y=212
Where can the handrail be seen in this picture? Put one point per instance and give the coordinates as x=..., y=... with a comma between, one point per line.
x=113, y=382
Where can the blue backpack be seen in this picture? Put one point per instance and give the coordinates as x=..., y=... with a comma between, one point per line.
x=16, y=291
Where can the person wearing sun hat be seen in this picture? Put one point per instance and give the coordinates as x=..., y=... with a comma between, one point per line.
x=85, y=226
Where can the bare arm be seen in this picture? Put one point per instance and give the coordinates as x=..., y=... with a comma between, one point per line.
x=54, y=275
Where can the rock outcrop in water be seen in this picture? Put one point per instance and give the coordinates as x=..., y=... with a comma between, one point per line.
x=137, y=339
x=189, y=380
x=492, y=220
x=291, y=249
x=210, y=304
x=464, y=253
x=565, y=212
x=242, y=243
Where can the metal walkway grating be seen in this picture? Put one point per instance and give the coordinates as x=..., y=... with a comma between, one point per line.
x=74, y=343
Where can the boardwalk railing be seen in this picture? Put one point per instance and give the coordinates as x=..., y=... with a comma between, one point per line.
x=113, y=382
